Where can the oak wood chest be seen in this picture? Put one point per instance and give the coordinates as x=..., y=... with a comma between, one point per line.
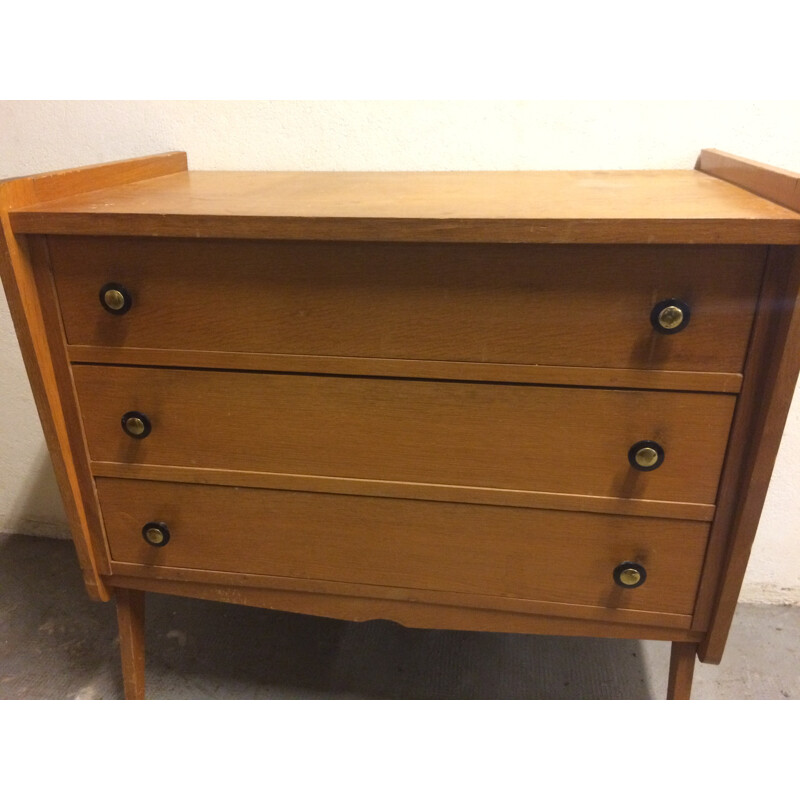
x=522, y=402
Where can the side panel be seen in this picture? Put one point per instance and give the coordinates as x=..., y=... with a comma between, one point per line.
x=19, y=282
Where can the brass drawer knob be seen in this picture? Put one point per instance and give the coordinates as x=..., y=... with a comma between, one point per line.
x=136, y=424
x=670, y=316
x=115, y=298
x=646, y=455
x=629, y=575
x=156, y=534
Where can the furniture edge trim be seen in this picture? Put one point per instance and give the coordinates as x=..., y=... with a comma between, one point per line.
x=555, y=375
x=411, y=608
x=779, y=186
x=45, y=187
x=759, y=432
x=433, y=492
x=379, y=229
x=17, y=274
x=70, y=410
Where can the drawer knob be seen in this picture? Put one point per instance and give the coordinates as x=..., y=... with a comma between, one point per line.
x=670, y=316
x=156, y=534
x=629, y=575
x=136, y=424
x=115, y=298
x=646, y=455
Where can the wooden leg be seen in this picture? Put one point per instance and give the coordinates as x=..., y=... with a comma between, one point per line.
x=681, y=670
x=130, y=618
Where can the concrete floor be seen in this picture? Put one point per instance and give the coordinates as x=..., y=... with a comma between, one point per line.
x=57, y=644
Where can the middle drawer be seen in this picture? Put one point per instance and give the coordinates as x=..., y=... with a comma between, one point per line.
x=506, y=436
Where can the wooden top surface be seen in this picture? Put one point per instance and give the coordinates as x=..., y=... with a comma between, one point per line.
x=591, y=206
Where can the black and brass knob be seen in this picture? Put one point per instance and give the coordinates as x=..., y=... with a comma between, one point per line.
x=156, y=534
x=629, y=575
x=646, y=455
x=136, y=424
x=670, y=316
x=115, y=298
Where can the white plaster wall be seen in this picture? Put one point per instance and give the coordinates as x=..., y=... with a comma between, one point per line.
x=398, y=135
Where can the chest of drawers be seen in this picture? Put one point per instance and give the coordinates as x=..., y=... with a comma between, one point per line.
x=521, y=402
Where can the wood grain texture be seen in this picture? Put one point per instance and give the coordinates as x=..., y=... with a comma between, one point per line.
x=655, y=206
x=19, y=277
x=679, y=623
x=450, y=488
x=532, y=554
x=420, y=491
x=54, y=332
x=761, y=352
x=725, y=382
x=770, y=379
x=61, y=185
x=26, y=313
x=772, y=183
x=531, y=438
x=562, y=306
x=130, y=619
x=681, y=670
x=417, y=614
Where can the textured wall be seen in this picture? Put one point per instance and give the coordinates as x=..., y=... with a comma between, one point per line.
x=430, y=135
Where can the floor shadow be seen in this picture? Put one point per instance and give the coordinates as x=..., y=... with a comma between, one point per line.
x=58, y=643
x=223, y=651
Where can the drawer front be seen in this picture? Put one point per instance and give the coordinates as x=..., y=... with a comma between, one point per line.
x=564, y=305
x=556, y=556
x=534, y=438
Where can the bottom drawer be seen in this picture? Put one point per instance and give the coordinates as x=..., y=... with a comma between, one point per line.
x=534, y=554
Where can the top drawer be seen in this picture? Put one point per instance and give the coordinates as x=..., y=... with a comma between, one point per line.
x=560, y=305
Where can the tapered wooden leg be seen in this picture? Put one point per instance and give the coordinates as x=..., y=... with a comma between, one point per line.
x=130, y=618
x=681, y=670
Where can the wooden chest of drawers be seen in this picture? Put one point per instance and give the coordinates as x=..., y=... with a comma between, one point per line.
x=523, y=402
